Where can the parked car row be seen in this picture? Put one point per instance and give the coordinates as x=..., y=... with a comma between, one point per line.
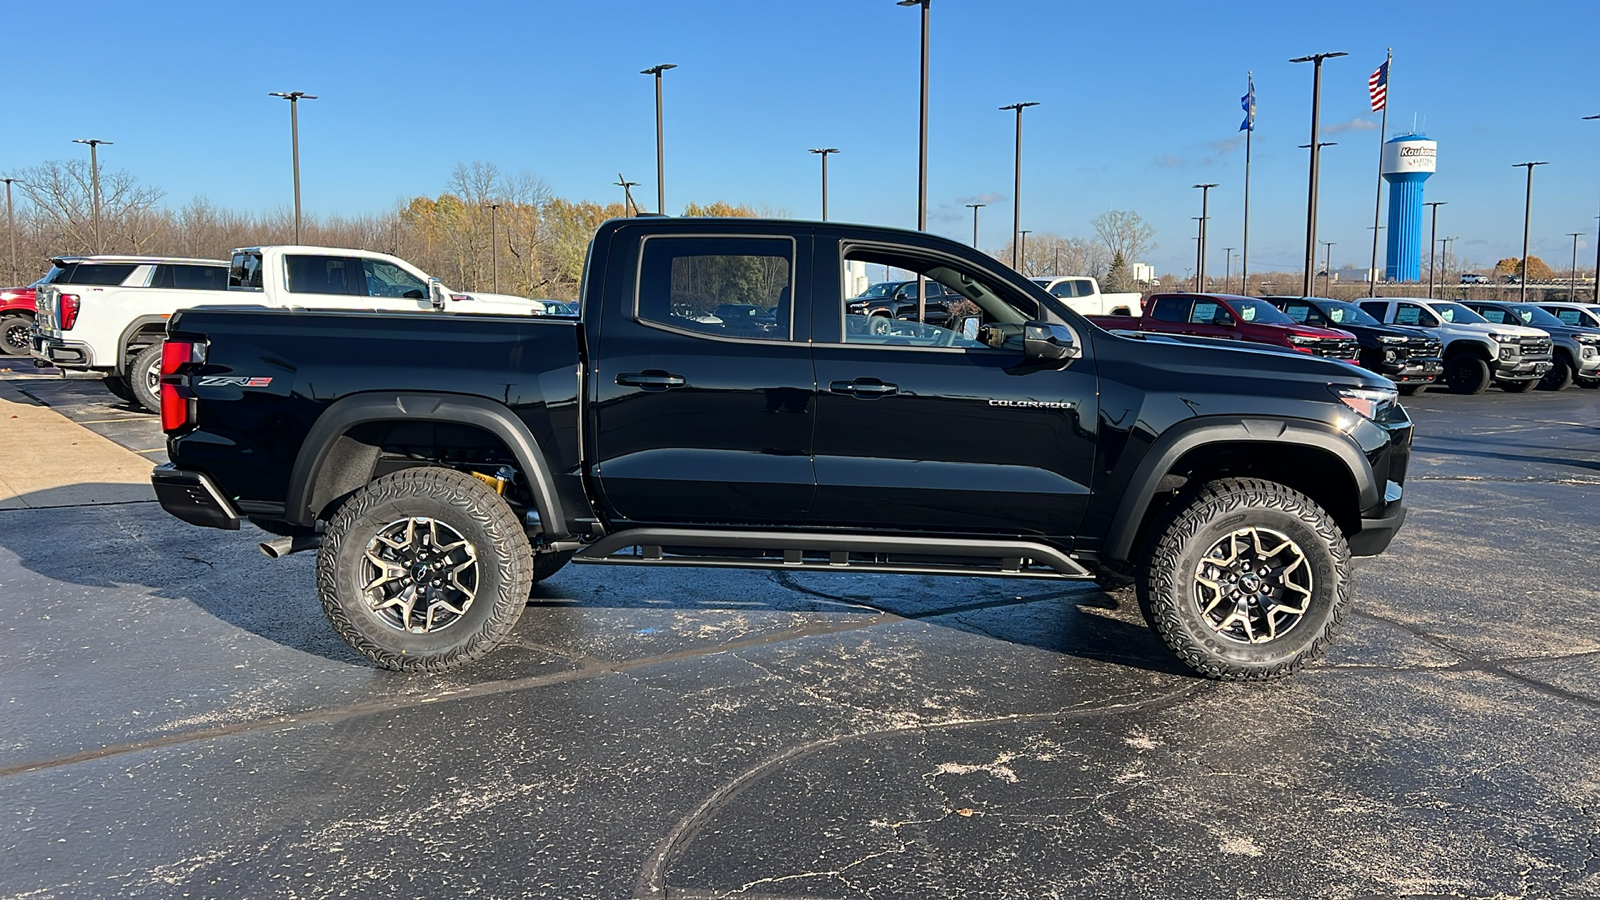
x=108, y=314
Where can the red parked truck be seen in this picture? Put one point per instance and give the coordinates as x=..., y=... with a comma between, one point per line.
x=1232, y=317
x=17, y=310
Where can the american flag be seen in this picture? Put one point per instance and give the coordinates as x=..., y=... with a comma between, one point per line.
x=1378, y=87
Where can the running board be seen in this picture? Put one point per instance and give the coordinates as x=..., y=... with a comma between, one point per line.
x=832, y=553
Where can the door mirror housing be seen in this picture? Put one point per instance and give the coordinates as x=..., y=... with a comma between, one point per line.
x=969, y=326
x=1046, y=342
x=437, y=295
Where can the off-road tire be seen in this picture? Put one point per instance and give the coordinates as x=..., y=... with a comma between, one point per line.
x=1560, y=376
x=145, y=392
x=465, y=505
x=1467, y=374
x=118, y=386
x=1410, y=390
x=16, y=335
x=1518, y=387
x=1194, y=523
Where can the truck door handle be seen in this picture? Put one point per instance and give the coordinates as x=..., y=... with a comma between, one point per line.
x=652, y=379
x=864, y=389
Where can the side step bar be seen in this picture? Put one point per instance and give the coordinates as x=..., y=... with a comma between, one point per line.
x=831, y=552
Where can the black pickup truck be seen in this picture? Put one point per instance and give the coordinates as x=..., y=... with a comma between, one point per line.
x=442, y=463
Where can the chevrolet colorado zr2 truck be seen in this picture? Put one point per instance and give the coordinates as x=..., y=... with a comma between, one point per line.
x=441, y=463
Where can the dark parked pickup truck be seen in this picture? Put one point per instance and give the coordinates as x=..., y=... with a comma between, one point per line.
x=442, y=463
x=1409, y=358
x=1232, y=317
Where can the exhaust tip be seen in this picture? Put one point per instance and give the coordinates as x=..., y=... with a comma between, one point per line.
x=278, y=549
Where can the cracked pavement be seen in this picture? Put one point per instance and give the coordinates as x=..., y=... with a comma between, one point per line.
x=180, y=720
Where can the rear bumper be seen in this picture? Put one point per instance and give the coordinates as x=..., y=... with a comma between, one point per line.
x=65, y=354
x=193, y=497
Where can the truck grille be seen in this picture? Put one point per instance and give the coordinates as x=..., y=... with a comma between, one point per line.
x=1336, y=349
x=1421, y=348
x=1535, y=347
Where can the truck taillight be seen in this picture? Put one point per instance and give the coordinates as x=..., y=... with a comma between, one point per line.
x=70, y=304
x=177, y=401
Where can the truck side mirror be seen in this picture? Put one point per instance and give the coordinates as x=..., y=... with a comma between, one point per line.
x=437, y=294
x=968, y=326
x=1043, y=341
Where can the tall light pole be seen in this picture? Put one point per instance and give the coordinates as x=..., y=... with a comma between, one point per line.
x=94, y=179
x=661, y=158
x=1205, y=215
x=975, y=207
x=294, y=98
x=1199, y=223
x=1572, y=289
x=824, y=154
x=1227, y=269
x=1316, y=60
x=1596, y=244
x=1327, y=267
x=1024, y=233
x=1527, y=220
x=1433, y=241
x=629, y=208
x=1016, y=199
x=494, y=242
x=922, y=137
x=11, y=227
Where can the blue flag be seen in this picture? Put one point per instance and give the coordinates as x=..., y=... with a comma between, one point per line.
x=1248, y=104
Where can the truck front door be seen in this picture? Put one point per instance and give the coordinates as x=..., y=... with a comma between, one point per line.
x=702, y=381
x=925, y=427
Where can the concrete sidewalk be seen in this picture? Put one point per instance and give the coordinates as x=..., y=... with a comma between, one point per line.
x=52, y=461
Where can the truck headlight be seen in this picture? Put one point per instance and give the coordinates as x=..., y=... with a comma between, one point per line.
x=1368, y=401
x=1302, y=340
x=1391, y=339
x=1504, y=338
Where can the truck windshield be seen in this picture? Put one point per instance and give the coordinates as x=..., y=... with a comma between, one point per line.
x=1456, y=314
x=1259, y=311
x=1533, y=315
x=1340, y=312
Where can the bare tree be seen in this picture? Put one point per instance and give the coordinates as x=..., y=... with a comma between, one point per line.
x=1124, y=233
x=62, y=196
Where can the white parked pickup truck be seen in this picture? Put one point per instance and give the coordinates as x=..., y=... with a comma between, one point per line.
x=116, y=327
x=1082, y=293
x=1476, y=353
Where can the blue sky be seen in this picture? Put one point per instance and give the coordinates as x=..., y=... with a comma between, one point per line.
x=1139, y=101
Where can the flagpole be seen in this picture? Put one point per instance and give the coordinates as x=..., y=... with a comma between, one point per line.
x=1377, y=203
x=1244, y=259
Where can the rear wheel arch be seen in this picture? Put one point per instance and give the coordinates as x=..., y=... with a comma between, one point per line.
x=341, y=452
x=1307, y=456
x=139, y=334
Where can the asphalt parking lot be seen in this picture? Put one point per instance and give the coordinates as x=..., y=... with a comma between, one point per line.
x=179, y=720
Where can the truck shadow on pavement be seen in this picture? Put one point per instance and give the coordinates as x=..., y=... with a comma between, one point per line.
x=139, y=548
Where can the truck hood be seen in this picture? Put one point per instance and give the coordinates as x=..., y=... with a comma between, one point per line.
x=1491, y=328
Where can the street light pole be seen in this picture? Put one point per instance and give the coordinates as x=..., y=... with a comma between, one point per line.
x=1316, y=60
x=1433, y=242
x=661, y=158
x=1327, y=267
x=1527, y=220
x=494, y=242
x=1024, y=234
x=824, y=154
x=1205, y=195
x=11, y=228
x=922, y=154
x=294, y=98
x=1572, y=289
x=1199, y=225
x=629, y=208
x=94, y=178
x=975, y=207
x=1016, y=199
x=1596, y=244
x=1227, y=269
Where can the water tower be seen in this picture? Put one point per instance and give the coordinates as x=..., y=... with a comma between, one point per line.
x=1408, y=161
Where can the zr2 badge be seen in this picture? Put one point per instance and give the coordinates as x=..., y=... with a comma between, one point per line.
x=233, y=381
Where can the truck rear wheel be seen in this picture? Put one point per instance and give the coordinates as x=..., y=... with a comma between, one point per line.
x=1467, y=374
x=144, y=378
x=16, y=335
x=424, y=569
x=1247, y=580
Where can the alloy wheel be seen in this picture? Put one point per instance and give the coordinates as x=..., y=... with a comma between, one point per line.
x=1253, y=586
x=419, y=575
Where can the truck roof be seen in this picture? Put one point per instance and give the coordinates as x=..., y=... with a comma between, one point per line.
x=138, y=260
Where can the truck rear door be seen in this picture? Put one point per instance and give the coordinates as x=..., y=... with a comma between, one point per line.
x=701, y=379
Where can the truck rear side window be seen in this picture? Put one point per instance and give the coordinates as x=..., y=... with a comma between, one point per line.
x=1171, y=309
x=245, y=272
x=722, y=287
x=325, y=275
x=190, y=278
x=106, y=274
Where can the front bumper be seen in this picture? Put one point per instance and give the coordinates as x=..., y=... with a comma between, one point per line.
x=1589, y=366
x=1521, y=369
x=63, y=354
x=1413, y=371
x=193, y=497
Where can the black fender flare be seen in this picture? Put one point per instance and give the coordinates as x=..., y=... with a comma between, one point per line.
x=386, y=406
x=1191, y=434
x=126, y=338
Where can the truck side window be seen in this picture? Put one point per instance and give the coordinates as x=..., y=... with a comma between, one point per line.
x=1205, y=313
x=107, y=274
x=1496, y=316
x=1411, y=314
x=325, y=275
x=385, y=279
x=1172, y=309
x=1066, y=289
x=190, y=278
x=245, y=272
x=733, y=287
x=1567, y=316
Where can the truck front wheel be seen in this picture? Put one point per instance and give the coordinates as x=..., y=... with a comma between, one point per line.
x=1247, y=580
x=1467, y=374
x=1560, y=376
x=424, y=569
